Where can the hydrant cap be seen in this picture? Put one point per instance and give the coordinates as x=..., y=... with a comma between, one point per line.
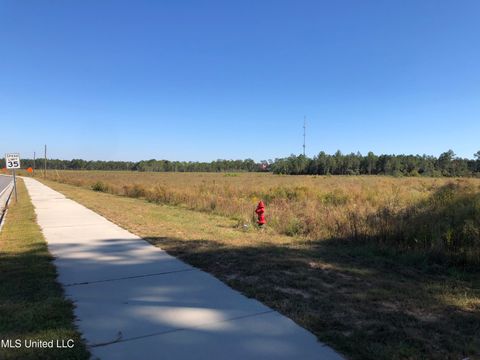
x=261, y=204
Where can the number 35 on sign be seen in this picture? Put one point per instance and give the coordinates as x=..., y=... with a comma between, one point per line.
x=12, y=161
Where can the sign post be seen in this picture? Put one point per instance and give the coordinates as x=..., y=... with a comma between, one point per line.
x=12, y=161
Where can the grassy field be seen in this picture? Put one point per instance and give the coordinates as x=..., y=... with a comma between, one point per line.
x=367, y=299
x=32, y=305
x=437, y=216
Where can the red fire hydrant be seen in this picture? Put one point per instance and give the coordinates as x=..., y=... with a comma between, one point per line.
x=260, y=213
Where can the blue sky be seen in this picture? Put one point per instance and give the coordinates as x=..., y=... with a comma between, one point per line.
x=201, y=80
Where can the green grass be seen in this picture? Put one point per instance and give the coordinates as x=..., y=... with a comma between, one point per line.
x=32, y=303
x=365, y=300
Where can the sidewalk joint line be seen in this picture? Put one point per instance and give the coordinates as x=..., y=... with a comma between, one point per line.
x=160, y=333
x=130, y=277
x=70, y=226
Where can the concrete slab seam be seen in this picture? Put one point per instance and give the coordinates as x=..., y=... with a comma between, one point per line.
x=130, y=277
x=160, y=333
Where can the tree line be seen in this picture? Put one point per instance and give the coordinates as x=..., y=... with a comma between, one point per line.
x=144, y=165
x=447, y=164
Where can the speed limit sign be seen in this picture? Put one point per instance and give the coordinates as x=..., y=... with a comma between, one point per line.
x=12, y=161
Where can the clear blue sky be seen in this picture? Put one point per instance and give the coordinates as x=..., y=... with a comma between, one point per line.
x=201, y=80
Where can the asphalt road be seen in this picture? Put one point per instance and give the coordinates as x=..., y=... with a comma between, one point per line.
x=4, y=181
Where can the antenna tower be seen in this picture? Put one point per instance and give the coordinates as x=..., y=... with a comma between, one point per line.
x=304, y=132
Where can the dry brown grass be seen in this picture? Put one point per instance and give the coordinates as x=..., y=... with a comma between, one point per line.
x=366, y=301
x=409, y=213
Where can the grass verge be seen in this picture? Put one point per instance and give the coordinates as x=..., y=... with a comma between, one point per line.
x=368, y=302
x=32, y=305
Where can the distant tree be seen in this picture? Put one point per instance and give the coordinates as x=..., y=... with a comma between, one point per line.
x=338, y=163
x=477, y=161
x=323, y=164
x=445, y=163
x=371, y=163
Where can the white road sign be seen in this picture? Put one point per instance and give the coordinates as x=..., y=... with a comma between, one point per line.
x=12, y=161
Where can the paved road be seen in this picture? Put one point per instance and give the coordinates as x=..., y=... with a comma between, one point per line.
x=134, y=301
x=4, y=181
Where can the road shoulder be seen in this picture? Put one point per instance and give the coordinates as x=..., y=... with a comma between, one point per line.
x=32, y=303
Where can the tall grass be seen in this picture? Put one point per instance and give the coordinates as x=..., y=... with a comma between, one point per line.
x=437, y=216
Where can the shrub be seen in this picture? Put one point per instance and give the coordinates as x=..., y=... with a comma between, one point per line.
x=100, y=186
x=135, y=191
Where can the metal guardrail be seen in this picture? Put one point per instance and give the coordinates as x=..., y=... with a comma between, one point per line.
x=4, y=198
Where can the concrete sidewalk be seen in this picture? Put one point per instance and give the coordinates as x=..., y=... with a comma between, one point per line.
x=134, y=301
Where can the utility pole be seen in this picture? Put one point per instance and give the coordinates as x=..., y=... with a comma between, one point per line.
x=45, y=164
x=304, y=132
x=34, y=164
